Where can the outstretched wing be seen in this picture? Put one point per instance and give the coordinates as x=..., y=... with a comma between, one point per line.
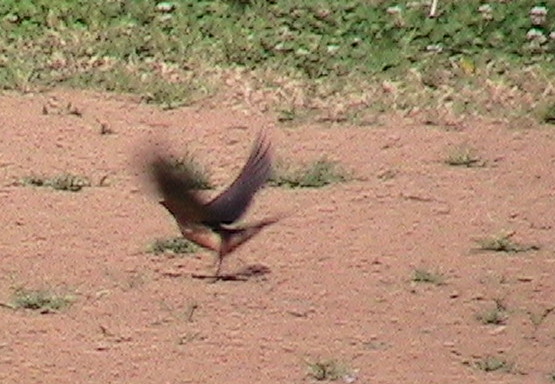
x=231, y=204
x=176, y=189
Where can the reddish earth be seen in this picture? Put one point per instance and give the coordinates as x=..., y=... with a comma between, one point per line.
x=341, y=265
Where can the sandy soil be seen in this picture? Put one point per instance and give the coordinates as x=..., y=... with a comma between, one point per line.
x=341, y=265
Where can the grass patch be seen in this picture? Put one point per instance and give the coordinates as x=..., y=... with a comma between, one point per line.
x=315, y=175
x=503, y=243
x=495, y=316
x=62, y=182
x=425, y=276
x=493, y=364
x=547, y=113
x=198, y=174
x=286, y=115
x=43, y=301
x=176, y=245
x=35, y=181
x=69, y=182
x=464, y=157
x=327, y=370
x=538, y=318
x=350, y=56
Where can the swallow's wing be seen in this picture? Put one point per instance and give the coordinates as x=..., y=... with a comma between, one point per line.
x=231, y=204
x=176, y=189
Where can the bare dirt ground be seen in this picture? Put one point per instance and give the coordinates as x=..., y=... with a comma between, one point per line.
x=341, y=265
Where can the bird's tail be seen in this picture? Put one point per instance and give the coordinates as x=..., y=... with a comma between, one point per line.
x=232, y=238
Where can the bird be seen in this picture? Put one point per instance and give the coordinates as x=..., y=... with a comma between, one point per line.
x=210, y=224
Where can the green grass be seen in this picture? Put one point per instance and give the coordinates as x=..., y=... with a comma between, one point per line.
x=495, y=316
x=504, y=243
x=176, y=245
x=547, y=113
x=327, y=370
x=493, y=364
x=314, y=175
x=44, y=301
x=61, y=182
x=330, y=54
x=424, y=276
x=464, y=157
x=538, y=318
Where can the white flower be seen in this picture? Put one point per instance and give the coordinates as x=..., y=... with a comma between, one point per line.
x=165, y=7
x=415, y=4
x=279, y=47
x=536, y=35
x=485, y=8
x=538, y=15
x=394, y=10
x=538, y=11
x=434, y=48
x=332, y=48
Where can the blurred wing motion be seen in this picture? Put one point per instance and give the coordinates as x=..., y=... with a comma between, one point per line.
x=232, y=203
x=207, y=223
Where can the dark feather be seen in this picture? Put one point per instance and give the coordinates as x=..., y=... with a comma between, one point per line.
x=179, y=197
x=177, y=193
x=231, y=204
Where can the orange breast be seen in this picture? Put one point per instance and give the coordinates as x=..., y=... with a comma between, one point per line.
x=202, y=236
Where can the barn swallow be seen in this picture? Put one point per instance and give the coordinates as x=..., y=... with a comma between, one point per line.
x=210, y=224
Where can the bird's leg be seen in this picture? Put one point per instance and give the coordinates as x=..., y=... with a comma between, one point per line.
x=219, y=264
x=217, y=275
x=222, y=251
